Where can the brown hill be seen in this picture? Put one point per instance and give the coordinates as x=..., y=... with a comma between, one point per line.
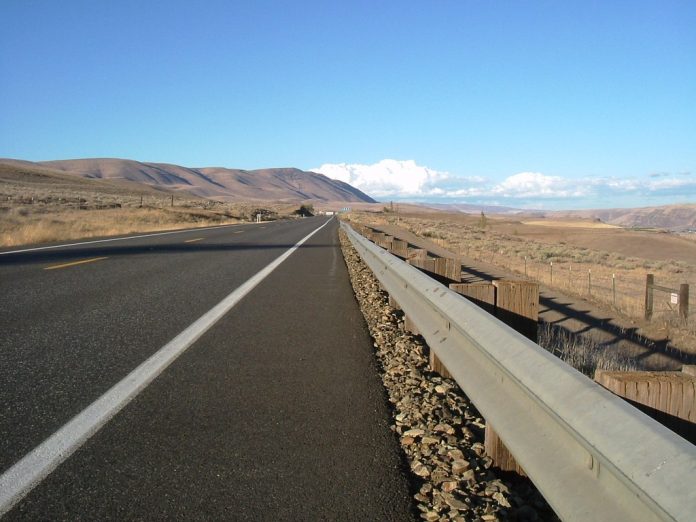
x=670, y=217
x=25, y=179
x=282, y=184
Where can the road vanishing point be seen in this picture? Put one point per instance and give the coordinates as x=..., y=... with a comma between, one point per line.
x=219, y=373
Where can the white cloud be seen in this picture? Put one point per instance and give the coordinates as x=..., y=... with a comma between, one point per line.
x=388, y=178
x=536, y=184
x=399, y=179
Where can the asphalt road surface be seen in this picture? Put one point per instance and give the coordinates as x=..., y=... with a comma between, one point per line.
x=268, y=407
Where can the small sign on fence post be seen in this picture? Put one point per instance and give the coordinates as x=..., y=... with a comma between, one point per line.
x=680, y=297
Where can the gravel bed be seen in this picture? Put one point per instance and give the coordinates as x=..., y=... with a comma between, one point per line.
x=440, y=431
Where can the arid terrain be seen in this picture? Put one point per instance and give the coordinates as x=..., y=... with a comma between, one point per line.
x=217, y=183
x=38, y=204
x=593, y=261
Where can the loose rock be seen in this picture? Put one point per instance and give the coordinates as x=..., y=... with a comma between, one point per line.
x=437, y=425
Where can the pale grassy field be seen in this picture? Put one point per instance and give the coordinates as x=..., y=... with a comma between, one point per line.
x=58, y=215
x=567, y=223
x=39, y=205
x=20, y=226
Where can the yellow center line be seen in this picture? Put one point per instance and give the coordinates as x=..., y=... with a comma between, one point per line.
x=82, y=262
x=193, y=240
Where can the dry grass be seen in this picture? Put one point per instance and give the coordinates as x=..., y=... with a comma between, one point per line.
x=583, y=352
x=20, y=227
x=51, y=214
x=568, y=223
x=609, y=278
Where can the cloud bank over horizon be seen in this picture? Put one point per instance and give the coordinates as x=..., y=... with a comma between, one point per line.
x=405, y=180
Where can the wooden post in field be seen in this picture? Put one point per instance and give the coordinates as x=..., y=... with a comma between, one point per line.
x=589, y=281
x=613, y=288
x=551, y=272
x=649, y=281
x=172, y=200
x=684, y=301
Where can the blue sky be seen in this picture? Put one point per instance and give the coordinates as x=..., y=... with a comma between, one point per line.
x=536, y=104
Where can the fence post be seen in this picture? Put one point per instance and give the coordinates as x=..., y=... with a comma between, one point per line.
x=684, y=301
x=613, y=288
x=551, y=272
x=589, y=281
x=525, y=266
x=649, y=281
x=172, y=200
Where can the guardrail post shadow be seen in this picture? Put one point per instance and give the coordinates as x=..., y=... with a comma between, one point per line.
x=409, y=326
x=393, y=303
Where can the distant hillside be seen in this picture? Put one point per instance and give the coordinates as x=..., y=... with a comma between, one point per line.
x=22, y=178
x=670, y=217
x=281, y=184
x=467, y=208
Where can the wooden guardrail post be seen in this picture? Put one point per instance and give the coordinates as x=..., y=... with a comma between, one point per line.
x=399, y=248
x=517, y=305
x=496, y=449
x=482, y=294
x=667, y=397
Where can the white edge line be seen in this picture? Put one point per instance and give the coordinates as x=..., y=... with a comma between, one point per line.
x=114, y=239
x=22, y=477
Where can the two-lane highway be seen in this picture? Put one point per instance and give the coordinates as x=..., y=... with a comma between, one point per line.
x=271, y=409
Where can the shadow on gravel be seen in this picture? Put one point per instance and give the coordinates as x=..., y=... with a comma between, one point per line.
x=50, y=256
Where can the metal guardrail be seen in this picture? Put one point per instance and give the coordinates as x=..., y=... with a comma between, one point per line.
x=591, y=454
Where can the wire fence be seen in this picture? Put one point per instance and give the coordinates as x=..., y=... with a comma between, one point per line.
x=625, y=292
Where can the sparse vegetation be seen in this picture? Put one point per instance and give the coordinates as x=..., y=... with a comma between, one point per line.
x=583, y=352
x=38, y=207
x=305, y=210
x=483, y=221
x=614, y=279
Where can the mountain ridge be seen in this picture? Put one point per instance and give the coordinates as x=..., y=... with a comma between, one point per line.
x=678, y=217
x=219, y=183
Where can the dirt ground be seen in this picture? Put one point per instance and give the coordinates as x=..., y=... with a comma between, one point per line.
x=645, y=244
x=661, y=344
